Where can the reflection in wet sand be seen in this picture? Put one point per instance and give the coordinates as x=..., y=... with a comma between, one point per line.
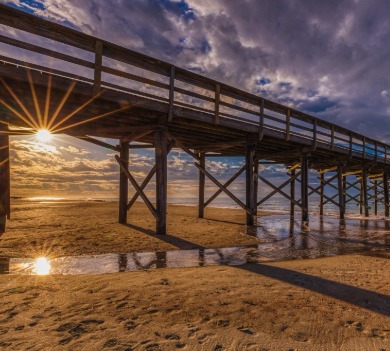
x=279, y=239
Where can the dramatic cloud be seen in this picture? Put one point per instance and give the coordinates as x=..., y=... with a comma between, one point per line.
x=326, y=58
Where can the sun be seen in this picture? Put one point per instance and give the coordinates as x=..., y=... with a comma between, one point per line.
x=43, y=135
x=42, y=266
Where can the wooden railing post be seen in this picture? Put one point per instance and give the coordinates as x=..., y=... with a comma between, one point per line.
x=97, y=76
x=288, y=118
x=171, y=93
x=217, y=99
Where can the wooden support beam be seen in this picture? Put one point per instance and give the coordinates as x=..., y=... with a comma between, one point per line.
x=375, y=197
x=361, y=197
x=143, y=186
x=123, y=181
x=279, y=189
x=136, y=187
x=365, y=193
x=97, y=79
x=5, y=203
x=98, y=142
x=202, y=180
x=225, y=185
x=250, y=183
x=179, y=144
x=292, y=195
x=256, y=180
x=386, y=193
x=322, y=180
x=161, y=152
x=304, y=188
x=226, y=191
x=340, y=187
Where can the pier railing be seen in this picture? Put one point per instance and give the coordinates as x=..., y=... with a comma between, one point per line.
x=106, y=65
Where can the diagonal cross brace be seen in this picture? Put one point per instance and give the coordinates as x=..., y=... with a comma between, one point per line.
x=220, y=186
x=230, y=181
x=316, y=190
x=137, y=187
x=143, y=186
x=278, y=190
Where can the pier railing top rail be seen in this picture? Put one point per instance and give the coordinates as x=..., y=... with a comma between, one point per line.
x=197, y=92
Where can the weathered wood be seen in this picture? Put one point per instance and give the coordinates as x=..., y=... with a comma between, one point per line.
x=136, y=187
x=226, y=191
x=98, y=142
x=261, y=120
x=304, y=187
x=375, y=197
x=250, y=184
x=292, y=194
x=97, y=76
x=288, y=121
x=5, y=208
x=225, y=185
x=217, y=100
x=123, y=181
x=171, y=93
x=341, y=191
x=256, y=180
x=161, y=152
x=179, y=144
x=202, y=180
x=278, y=190
x=365, y=193
x=386, y=193
x=146, y=181
x=322, y=181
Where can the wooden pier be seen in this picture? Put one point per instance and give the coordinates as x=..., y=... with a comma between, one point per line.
x=105, y=90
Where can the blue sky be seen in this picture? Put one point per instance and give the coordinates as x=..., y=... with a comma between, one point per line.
x=326, y=58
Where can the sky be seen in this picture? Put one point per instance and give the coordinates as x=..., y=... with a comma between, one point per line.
x=327, y=58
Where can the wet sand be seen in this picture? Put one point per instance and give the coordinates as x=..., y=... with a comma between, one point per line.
x=337, y=303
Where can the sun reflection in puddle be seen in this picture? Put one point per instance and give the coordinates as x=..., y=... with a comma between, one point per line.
x=42, y=266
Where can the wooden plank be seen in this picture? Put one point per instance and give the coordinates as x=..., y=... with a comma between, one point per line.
x=46, y=52
x=136, y=187
x=226, y=191
x=161, y=152
x=97, y=142
x=123, y=160
x=202, y=180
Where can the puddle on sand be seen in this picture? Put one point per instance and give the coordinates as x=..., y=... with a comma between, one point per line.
x=278, y=240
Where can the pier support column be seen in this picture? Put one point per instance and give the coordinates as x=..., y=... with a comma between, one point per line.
x=365, y=192
x=123, y=183
x=161, y=152
x=386, y=193
x=341, y=190
x=305, y=188
x=202, y=180
x=375, y=197
x=4, y=180
x=250, y=184
x=322, y=181
x=256, y=180
x=292, y=195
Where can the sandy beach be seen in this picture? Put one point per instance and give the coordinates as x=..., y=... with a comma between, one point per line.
x=336, y=303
